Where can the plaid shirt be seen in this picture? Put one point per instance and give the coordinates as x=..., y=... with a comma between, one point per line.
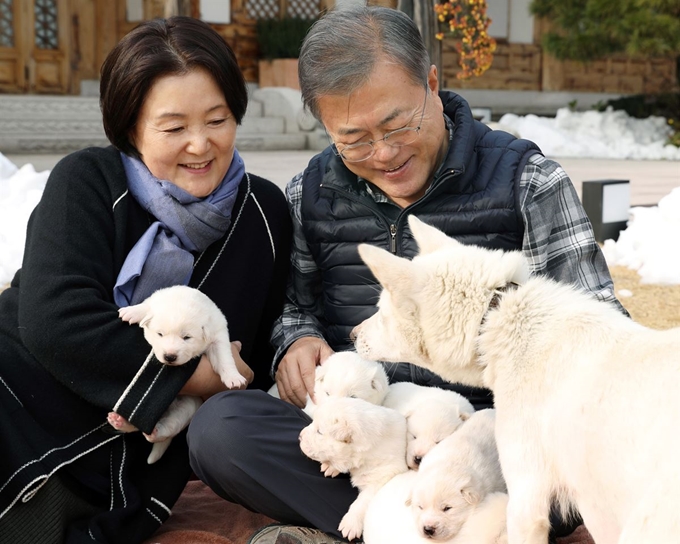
x=558, y=242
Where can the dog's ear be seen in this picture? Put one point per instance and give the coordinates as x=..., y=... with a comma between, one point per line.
x=341, y=431
x=428, y=238
x=409, y=499
x=471, y=490
x=378, y=383
x=464, y=416
x=146, y=320
x=394, y=273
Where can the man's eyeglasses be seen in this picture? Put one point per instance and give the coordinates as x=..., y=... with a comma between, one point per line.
x=395, y=138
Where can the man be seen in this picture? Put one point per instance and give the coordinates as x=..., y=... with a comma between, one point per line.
x=400, y=146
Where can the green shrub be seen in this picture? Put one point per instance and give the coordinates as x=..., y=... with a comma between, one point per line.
x=282, y=38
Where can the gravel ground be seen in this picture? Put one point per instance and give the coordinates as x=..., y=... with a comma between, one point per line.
x=656, y=306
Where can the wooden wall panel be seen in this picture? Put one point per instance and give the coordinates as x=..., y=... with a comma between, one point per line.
x=514, y=67
x=615, y=74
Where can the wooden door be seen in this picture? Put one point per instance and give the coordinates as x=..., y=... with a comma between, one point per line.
x=34, y=46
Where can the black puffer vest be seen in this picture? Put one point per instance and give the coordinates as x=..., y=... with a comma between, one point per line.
x=474, y=198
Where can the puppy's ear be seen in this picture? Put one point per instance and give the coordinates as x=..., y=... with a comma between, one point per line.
x=471, y=490
x=378, y=383
x=428, y=238
x=464, y=416
x=146, y=320
x=341, y=431
x=394, y=273
x=409, y=499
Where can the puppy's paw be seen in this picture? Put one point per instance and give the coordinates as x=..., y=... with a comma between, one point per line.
x=233, y=380
x=132, y=314
x=329, y=471
x=119, y=423
x=158, y=450
x=351, y=525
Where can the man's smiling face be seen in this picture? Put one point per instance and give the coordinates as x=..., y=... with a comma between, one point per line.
x=390, y=100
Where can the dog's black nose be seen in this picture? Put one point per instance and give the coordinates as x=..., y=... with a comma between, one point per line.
x=417, y=459
x=429, y=530
x=170, y=357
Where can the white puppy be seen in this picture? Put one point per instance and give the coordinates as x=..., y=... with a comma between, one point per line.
x=571, y=377
x=390, y=521
x=455, y=477
x=345, y=374
x=181, y=323
x=361, y=438
x=432, y=414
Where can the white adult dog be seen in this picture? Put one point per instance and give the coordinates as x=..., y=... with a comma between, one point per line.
x=455, y=477
x=181, y=323
x=431, y=413
x=390, y=521
x=361, y=438
x=588, y=400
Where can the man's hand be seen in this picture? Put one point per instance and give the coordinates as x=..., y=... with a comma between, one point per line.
x=295, y=375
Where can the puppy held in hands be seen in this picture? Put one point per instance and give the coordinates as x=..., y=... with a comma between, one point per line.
x=455, y=477
x=181, y=323
x=432, y=414
x=363, y=439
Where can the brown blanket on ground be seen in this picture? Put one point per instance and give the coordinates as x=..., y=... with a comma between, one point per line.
x=201, y=517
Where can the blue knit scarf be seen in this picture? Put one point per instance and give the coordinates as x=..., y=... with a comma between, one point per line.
x=163, y=256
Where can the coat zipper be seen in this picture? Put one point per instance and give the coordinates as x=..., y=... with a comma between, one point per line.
x=391, y=226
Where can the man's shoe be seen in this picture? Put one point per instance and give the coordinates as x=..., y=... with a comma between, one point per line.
x=277, y=533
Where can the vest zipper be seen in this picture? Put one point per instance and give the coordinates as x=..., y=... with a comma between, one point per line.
x=392, y=228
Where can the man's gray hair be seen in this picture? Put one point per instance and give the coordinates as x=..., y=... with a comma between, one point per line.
x=340, y=51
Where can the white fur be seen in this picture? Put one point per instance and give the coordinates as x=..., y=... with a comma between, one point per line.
x=389, y=520
x=361, y=438
x=345, y=374
x=588, y=400
x=181, y=323
x=431, y=413
x=455, y=477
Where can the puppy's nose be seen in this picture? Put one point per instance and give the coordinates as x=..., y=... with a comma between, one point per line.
x=170, y=357
x=417, y=459
x=429, y=530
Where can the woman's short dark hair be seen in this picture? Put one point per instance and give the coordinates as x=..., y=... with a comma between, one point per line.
x=156, y=48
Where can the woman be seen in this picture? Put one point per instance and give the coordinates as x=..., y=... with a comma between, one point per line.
x=169, y=203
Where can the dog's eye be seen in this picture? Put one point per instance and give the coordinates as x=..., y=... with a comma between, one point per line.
x=187, y=338
x=160, y=334
x=446, y=508
x=352, y=396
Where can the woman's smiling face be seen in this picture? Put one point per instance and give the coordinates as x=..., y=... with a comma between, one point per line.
x=185, y=132
x=390, y=100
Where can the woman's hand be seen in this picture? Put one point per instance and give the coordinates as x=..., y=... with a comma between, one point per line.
x=205, y=382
